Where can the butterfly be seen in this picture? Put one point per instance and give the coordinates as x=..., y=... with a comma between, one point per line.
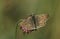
x=33, y=22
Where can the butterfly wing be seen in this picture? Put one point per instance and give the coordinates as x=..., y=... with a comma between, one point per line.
x=26, y=24
x=42, y=19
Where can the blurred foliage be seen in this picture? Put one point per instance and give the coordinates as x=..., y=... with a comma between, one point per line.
x=13, y=10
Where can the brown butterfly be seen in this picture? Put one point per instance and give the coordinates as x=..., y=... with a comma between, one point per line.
x=33, y=22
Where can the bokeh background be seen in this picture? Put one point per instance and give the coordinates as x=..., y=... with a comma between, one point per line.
x=13, y=10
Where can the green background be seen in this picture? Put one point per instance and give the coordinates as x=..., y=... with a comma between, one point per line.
x=13, y=10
